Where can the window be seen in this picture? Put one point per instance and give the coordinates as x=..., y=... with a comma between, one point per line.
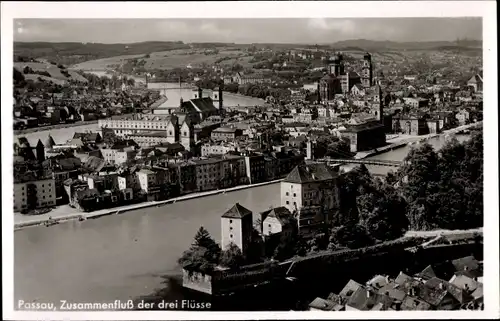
x=231, y=228
x=286, y=193
x=295, y=203
x=294, y=195
x=230, y=221
x=231, y=235
x=185, y=134
x=287, y=202
x=269, y=225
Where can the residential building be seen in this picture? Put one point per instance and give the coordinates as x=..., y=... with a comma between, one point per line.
x=310, y=191
x=255, y=168
x=278, y=221
x=476, y=82
x=226, y=133
x=34, y=193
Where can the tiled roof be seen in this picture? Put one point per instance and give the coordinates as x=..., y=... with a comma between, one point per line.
x=307, y=173
x=468, y=263
x=364, y=300
x=414, y=304
x=393, y=291
x=237, y=211
x=459, y=294
x=349, y=289
x=199, y=105
x=281, y=213
x=49, y=142
x=361, y=127
x=322, y=304
x=402, y=278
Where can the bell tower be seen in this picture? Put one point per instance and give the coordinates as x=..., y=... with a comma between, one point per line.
x=367, y=71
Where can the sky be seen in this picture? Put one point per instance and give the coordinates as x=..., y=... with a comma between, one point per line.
x=279, y=30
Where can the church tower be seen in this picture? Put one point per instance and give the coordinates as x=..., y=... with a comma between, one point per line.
x=40, y=151
x=367, y=71
x=237, y=227
x=187, y=135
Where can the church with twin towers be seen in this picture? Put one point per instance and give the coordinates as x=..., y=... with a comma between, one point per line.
x=339, y=81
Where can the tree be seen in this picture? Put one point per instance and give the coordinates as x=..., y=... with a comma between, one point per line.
x=203, y=254
x=352, y=236
x=382, y=211
x=232, y=257
x=204, y=239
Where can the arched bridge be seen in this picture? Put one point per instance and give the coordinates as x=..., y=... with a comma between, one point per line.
x=390, y=163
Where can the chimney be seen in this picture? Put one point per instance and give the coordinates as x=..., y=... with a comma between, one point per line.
x=441, y=286
x=200, y=92
x=367, y=293
x=387, y=279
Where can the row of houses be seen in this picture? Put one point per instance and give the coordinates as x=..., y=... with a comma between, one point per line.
x=452, y=285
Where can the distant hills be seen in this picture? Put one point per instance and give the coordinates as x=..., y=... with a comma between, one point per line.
x=69, y=53
x=371, y=45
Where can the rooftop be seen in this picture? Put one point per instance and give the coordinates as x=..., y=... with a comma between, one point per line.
x=237, y=211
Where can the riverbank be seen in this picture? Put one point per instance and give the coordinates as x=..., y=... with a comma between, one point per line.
x=402, y=140
x=76, y=215
x=58, y=126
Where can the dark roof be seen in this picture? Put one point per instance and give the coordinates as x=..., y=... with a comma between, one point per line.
x=349, y=289
x=94, y=164
x=203, y=104
x=459, y=294
x=393, y=291
x=49, y=142
x=364, y=126
x=414, y=304
x=282, y=214
x=364, y=300
x=322, y=304
x=468, y=263
x=433, y=296
x=307, y=173
x=237, y=211
x=23, y=140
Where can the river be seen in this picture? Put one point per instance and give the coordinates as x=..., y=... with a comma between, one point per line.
x=61, y=135
x=125, y=256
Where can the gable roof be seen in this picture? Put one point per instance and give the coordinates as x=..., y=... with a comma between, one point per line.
x=49, y=142
x=468, y=263
x=414, y=304
x=282, y=214
x=322, y=304
x=364, y=300
x=402, y=278
x=459, y=294
x=393, y=291
x=349, y=289
x=237, y=211
x=308, y=173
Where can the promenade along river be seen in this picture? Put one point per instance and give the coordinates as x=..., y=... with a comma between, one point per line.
x=124, y=256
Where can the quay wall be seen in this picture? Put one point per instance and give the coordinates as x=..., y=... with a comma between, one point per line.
x=323, y=273
x=124, y=209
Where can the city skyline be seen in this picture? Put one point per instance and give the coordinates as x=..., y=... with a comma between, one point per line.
x=262, y=30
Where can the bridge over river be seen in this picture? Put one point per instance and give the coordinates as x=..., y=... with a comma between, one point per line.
x=390, y=163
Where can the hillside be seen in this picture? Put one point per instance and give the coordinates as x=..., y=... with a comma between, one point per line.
x=48, y=72
x=69, y=53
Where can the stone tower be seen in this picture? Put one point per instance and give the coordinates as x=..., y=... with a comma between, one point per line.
x=187, y=134
x=367, y=71
x=237, y=227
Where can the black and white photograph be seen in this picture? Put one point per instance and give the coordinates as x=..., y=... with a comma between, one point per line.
x=201, y=164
